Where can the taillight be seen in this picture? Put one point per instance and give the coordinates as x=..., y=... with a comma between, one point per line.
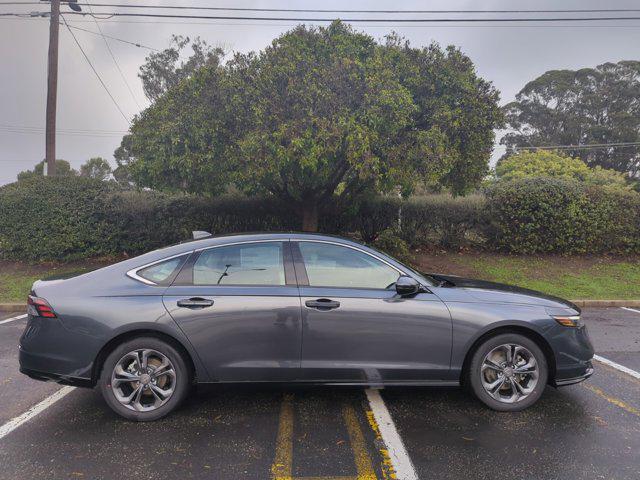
x=39, y=307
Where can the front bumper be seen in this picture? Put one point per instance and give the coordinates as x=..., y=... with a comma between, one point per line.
x=563, y=382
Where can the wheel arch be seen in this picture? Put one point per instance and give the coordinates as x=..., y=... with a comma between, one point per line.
x=519, y=329
x=113, y=343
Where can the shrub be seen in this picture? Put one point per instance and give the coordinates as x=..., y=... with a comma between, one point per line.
x=613, y=220
x=390, y=242
x=444, y=221
x=144, y=220
x=44, y=218
x=49, y=218
x=63, y=218
x=543, y=214
x=555, y=164
x=372, y=217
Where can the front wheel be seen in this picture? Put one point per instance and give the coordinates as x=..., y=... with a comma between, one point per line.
x=144, y=379
x=508, y=372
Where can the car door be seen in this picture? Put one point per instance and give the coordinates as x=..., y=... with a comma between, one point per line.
x=239, y=306
x=356, y=328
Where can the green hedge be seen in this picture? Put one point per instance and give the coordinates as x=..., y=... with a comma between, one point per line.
x=538, y=215
x=49, y=218
x=61, y=218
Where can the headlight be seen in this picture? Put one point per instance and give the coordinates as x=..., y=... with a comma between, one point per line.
x=568, y=321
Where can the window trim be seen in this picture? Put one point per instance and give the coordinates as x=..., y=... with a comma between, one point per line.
x=133, y=273
x=287, y=263
x=301, y=268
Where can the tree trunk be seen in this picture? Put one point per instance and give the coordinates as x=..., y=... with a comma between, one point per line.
x=310, y=218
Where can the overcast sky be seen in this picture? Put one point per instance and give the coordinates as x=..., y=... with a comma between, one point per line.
x=509, y=55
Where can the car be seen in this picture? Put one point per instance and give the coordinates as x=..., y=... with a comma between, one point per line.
x=294, y=308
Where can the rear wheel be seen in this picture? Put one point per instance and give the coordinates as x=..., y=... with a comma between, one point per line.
x=508, y=372
x=144, y=379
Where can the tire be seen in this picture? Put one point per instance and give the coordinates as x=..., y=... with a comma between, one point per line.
x=516, y=391
x=158, y=356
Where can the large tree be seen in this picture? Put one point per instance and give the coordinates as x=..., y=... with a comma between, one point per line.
x=598, y=105
x=166, y=68
x=96, y=167
x=322, y=114
x=63, y=169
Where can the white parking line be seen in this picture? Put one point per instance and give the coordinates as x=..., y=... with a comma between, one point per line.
x=630, y=309
x=13, y=318
x=617, y=366
x=14, y=423
x=397, y=453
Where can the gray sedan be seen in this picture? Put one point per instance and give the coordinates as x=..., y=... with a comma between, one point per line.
x=294, y=308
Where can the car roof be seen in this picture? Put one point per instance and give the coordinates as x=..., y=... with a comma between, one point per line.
x=253, y=236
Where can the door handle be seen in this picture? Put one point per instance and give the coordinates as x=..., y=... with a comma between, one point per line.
x=195, y=302
x=322, y=304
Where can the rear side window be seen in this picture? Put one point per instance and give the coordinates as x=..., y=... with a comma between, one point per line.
x=162, y=273
x=242, y=264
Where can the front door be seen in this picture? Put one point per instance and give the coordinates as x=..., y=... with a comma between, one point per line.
x=356, y=328
x=239, y=306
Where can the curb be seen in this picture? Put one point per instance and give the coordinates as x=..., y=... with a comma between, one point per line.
x=21, y=307
x=13, y=308
x=607, y=303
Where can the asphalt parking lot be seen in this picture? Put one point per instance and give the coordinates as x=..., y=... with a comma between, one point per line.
x=587, y=431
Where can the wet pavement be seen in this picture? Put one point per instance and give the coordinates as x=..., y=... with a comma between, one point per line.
x=587, y=431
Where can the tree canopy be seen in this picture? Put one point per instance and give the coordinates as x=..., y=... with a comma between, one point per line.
x=555, y=164
x=598, y=105
x=321, y=114
x=165, y=69
x=63, y=169
x=96, y=167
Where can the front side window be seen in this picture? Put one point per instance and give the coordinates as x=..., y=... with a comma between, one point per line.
x=242, y=264
x=160, y=273
x=331, y=265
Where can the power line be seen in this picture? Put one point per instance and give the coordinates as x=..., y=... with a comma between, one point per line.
x=272, y=25
x=66, y=130
x=95, y=71
x=91, y=135
x=361, y=20
x=124, y=79
x=25, y=16
x=323, y=10
x=135, y=44
x=109, y=15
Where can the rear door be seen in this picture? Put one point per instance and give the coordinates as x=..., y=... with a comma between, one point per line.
x=239, y=306
x=356, y=328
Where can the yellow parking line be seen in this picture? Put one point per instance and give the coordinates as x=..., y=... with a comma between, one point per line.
x=282, y=467
x=283, y=463
x=358, y=445
x=327, y=478
x=615, y=401
x=388, y=472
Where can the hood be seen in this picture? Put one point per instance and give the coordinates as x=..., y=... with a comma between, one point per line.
x=502, y=293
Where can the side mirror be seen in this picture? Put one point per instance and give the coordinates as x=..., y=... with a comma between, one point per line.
x=406, y=285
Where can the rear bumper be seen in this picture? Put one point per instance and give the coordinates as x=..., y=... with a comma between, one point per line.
x=43, y=368
x=54, y=377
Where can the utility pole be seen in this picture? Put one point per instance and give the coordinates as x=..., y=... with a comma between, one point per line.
x=52, y=88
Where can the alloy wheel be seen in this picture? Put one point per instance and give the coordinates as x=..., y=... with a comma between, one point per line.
x=509, y=373
x=143, y=380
